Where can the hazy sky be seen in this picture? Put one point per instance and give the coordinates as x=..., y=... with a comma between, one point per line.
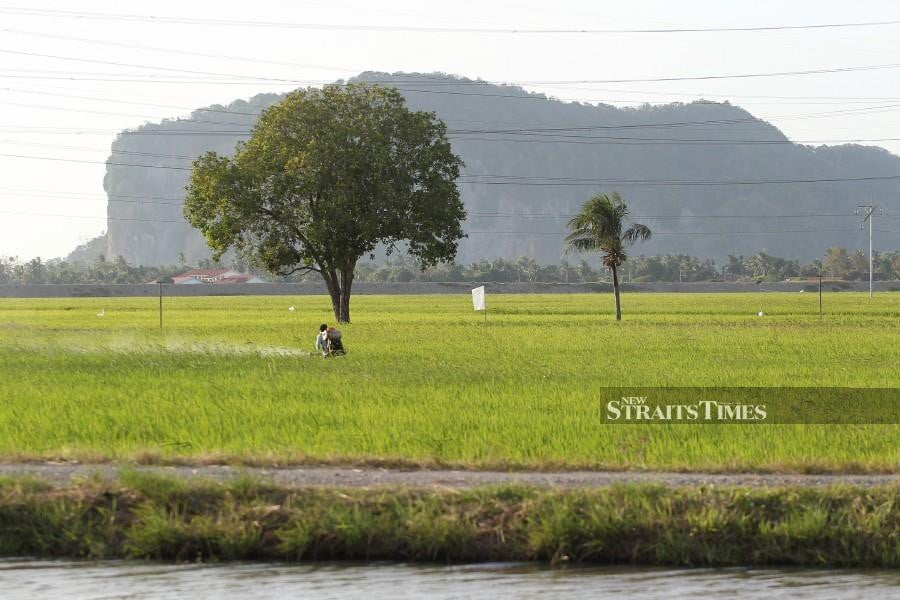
x=64, y=106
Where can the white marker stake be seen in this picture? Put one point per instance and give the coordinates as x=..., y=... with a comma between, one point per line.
x=478, y=301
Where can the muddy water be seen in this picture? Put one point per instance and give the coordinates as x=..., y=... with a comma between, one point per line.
x=119, y=579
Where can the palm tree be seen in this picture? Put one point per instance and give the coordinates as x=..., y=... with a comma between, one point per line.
x=758, y=264
x=599, y=228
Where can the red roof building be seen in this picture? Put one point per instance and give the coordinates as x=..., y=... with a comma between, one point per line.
x=215, y=276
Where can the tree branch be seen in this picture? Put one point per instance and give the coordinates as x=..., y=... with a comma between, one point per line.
x=304, y=269
x=310, y=248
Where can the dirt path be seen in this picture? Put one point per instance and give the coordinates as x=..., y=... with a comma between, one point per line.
x=61, y=474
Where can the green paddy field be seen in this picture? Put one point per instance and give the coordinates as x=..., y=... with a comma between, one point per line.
x=426, y=382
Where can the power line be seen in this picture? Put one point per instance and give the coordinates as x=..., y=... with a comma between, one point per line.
x=114, y=114
x=64, y=194
x=488, y=215
x=693, y=233
x=598, y=140
x=434, y=81
x=99, y=199
x=535, y=181
x=752, y=119
x=563, y=132
x=163, y=19
x=706, y=95
x=92, y=217
x=179, y=52
x=278, y=80
x=90, y=131
x=508, y=131
x=801, y=72
x=550, y=181
x=542, y=139
x=560, y=233
x=637, y=141
x=182, y=52
x=178, y=202
x=92, y=149
x=571, y=139
x=119, y=101
x=97, y=162
x=253, y=78
x=145, y=79
x=552, y=131
x=235, y=112
x=525, y=96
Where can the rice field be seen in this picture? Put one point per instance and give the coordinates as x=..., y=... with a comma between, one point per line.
x=426, y=382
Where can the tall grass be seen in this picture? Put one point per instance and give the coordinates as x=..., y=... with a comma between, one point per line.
x=426, y=382
x=146, y=517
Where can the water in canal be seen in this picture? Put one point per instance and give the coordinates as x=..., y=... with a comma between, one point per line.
x=33, y=580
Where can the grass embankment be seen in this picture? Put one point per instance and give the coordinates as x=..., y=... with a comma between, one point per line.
x=426, y=383
x=147, y=516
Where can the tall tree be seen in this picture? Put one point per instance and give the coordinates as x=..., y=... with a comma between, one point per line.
x=600, y=227
x=837, y=262
x=326, y=176
x=859, y=263
x=758, y=265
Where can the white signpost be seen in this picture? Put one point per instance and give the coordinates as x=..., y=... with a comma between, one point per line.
x=478, y=301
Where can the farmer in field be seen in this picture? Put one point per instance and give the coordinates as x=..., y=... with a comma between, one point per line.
x=328, y=342
x=322, y=339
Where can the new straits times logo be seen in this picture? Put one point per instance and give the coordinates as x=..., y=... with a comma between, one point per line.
x=637, y=408
x=746, y=405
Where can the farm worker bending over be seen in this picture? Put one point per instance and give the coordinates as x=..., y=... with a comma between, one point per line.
x=322, y=339
x=333, y=343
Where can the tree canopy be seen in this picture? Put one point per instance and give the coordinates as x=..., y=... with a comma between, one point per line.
x=327, y=176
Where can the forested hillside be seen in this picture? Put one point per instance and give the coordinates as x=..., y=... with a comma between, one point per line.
x=684, y=169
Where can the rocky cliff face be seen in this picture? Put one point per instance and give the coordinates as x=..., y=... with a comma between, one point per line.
x=641, y=152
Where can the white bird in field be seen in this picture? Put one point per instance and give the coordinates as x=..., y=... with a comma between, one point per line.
x=291, y=309
x=102, y=312
x=760, y=314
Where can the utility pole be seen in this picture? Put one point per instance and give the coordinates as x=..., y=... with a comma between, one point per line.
x=820, y=293
x=160, y=281
x=870, y=210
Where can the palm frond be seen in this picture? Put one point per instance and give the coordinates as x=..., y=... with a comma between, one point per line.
x=598, y=227
x=635, y=233
x=579, y=221
x=581, y=240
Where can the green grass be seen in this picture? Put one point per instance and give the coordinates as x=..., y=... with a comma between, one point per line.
x=151, y=517
x=425, y=382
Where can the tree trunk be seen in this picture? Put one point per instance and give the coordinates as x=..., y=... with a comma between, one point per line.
x=334, y=290
x=339, y=282
x=615, y=274
x=343, y=315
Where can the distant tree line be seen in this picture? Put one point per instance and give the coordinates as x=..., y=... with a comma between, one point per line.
x=37, y=271
x=667, y=267
x=838, y=263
